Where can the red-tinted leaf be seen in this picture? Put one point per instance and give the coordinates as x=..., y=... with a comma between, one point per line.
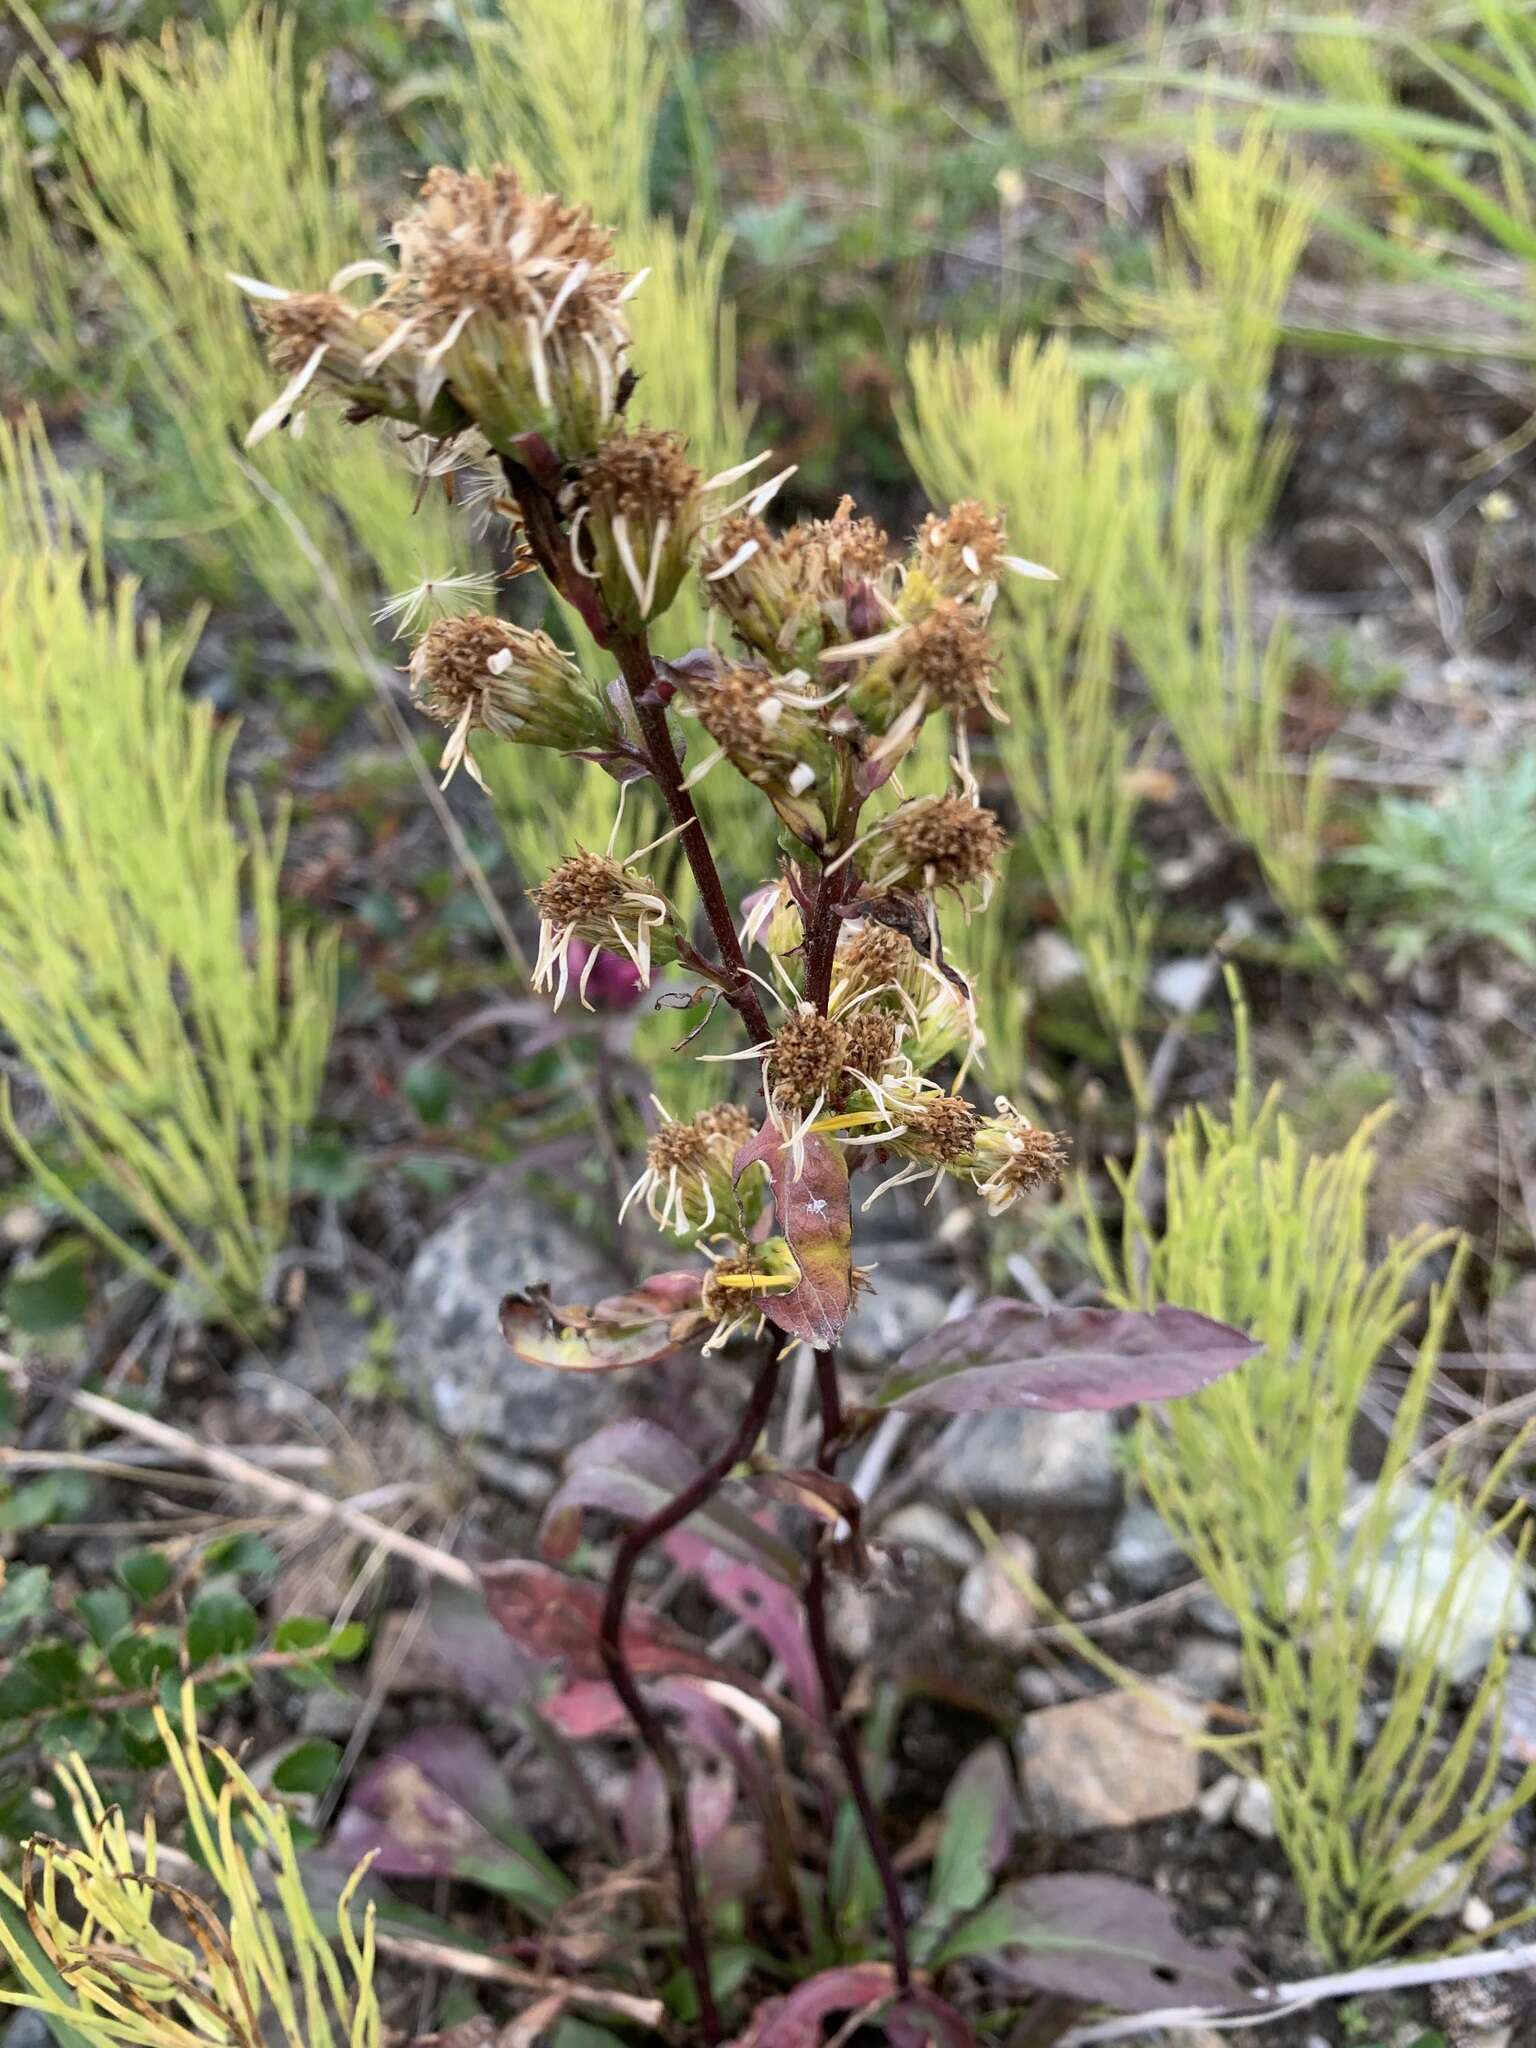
x=816, y=1221
x=438, y=1805
x=643, y=1817
x=1102, y=1939
x=771, y=1609
x=556, y=1619
x=1006, y=1354
x=633, y=1469
x=865, y=1989
x=650, y=1323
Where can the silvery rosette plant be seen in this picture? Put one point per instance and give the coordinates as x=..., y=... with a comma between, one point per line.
x=497, y=341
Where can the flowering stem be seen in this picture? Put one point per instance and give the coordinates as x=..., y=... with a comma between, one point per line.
x=832, y=888
x=843, y=1737
x=648, y=1722
x=639, y=671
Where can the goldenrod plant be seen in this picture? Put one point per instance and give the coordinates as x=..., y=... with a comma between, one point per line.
x=181, y=160
x=506, y=313
x=180, y=1038
x=1383, y=1812
x=109, y=1950
x=1067, y=470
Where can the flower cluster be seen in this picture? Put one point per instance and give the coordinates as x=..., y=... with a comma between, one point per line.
x=496, y=345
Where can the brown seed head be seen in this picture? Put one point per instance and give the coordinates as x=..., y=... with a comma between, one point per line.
x=484, y=241
x=826, y=554
x=450, y=662
x=872, y=1040
x=296, y=326
x=968, y=529
x=585, y=887
x=875, y=956
x=742, y=710
x=713, y=1137
x=644, y=476
x=726, y=1127
x=725, y=1303
x=947, y=840
x=808, y=1054
x=944, y=1125
x=947, y=655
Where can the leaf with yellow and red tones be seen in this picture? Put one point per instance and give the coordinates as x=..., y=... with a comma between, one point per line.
x=557, y=1619
x=868, y=1993
x=655, y=1319
x=815, y=1218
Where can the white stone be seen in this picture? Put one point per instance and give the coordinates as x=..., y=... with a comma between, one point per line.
x=1027, y=1460
x=1216, y=1802
x=1430, y=1547
x=1183, y=984
x=992, y=1604
x=1477, y=1916
x=921, y=1526
x=1253, y=1810
x=1051, y=962
x=1144, y=1554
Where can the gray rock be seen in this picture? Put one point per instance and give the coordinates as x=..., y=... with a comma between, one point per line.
x=1052, y=963
x=449, y=1345
x=992, y=1605
x=919, y=1526
x=898, y=1309
x=1028, y=1460
x=1145, y=1554
x=1430, y=1547
x=1183, y=984
x=1206, y=1668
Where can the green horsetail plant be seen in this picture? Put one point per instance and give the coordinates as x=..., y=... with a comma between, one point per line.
x=507, y=313
x=113, y=1954
x=1254, y=1478
x=182, y=160
x=1066, y=470
x=179, y=1037
x=1239, y=220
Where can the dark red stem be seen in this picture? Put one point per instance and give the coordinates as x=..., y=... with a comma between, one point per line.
x=652, y=1730
x=843, y=1737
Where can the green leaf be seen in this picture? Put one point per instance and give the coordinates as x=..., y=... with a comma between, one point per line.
x=105, y=1612
x=221, y=1623
x=429, y=1088
x=243, y=1556
x=56, y=1497
x=145, y=1573
x=23, y=1598
x=51, y=1291
x=136, y=1660
x=78, y=1732
x=309, y=1768
x=55, y=1665
x=301, y=1632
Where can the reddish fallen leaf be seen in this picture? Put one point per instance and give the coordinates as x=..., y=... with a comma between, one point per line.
x=769, y=1608
x=556, y=1618
x=815, y=1218
x=639, y=1328
x=865, y=1990
x=1007, y=1354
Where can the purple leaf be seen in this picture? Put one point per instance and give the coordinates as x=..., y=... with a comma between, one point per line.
x=771, y=1609
x=639, y=1328
x=816, y=1221
x=438, y=1805
x=633, y=1469
x=865, y=1989
x=1006, y=1354
x=1101, y=1939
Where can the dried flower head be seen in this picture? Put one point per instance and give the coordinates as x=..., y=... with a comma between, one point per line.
x=688, y=1182
x=806, y=1059
x=594, y=897
x=935, y=842
x=874, y=1037
x=635, y=514
x=942, y=660
x=766, y=726
x=1012, y=1157
x=476, y=673
x=877, y=964
x=737, y=1283
x=515, y=302
x=792, y=595
x=320, y=342
x=962, y=553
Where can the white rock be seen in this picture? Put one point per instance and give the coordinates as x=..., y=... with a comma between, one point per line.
x=1183, y=984
x=1051, y=962
x=1216, y=1802
x=1428, y=1549
x=992, y=1604
x=1253, y=1810
x=1477, y=1916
